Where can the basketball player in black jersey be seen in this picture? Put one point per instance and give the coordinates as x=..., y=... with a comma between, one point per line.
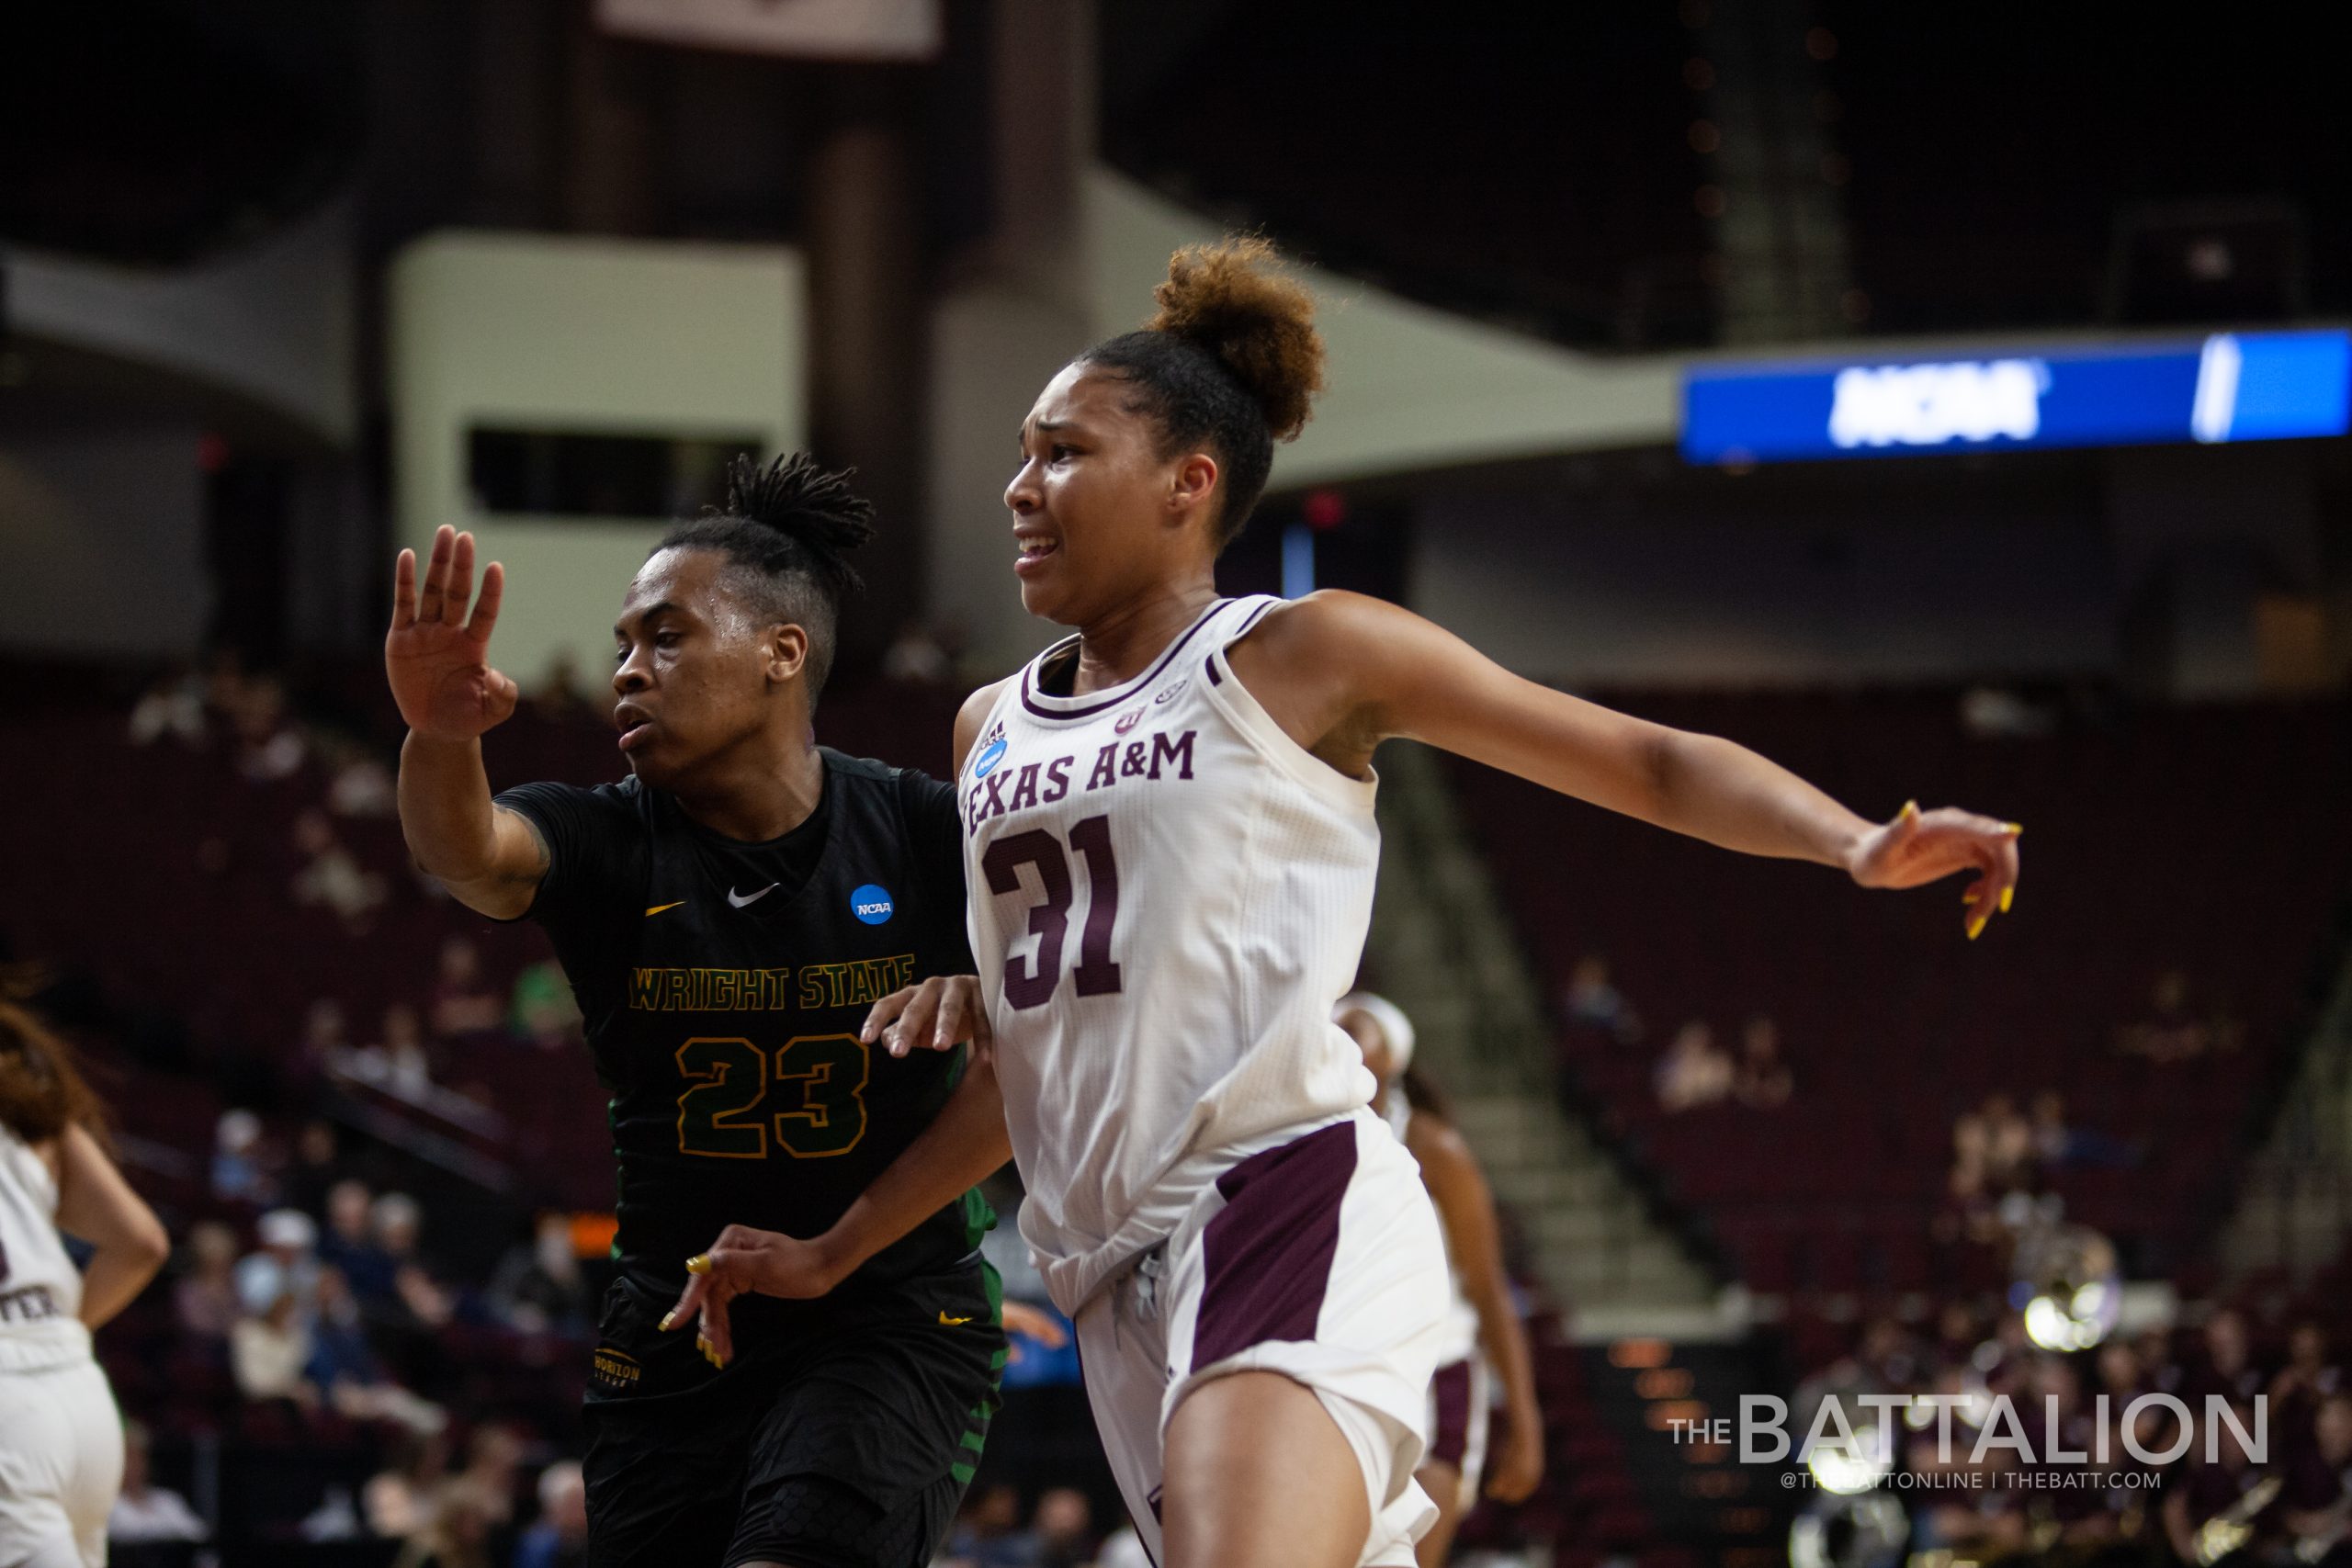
x=726, y=915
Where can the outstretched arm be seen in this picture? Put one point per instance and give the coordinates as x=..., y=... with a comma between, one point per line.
x=437, y=662
x=1341, y=673
x=96, y=1205
x=1473, y=1240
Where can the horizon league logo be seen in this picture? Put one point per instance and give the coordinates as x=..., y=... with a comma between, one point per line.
x=2001, y=1427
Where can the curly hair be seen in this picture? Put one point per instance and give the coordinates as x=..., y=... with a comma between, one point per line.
x=41, y=1088
x=1231, y=361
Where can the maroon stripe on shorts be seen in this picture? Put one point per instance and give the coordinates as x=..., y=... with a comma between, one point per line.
x=1451, y=1388
x=1268, y=1252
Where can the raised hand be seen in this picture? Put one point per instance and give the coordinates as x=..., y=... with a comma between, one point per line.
x=436, y=656
x=1921, y=847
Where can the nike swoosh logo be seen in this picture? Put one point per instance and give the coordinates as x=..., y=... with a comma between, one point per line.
x=740, y=899
x=948, y=1322
x=659, y=907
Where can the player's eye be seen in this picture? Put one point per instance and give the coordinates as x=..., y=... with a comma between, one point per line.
x=1059, y=452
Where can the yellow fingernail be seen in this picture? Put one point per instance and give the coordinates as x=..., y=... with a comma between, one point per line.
x=2008, y=896
x=667, y=1319
x=2015, y=829
x=1976, y=927
x=698, y=1264
x=1910, y=808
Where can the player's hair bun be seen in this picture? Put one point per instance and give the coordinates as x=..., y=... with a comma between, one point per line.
x=1235, y=299
x=811, y=505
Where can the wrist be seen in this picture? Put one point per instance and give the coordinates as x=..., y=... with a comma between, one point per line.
x=837, y=1256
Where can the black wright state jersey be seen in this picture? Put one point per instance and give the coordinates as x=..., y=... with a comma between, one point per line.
x=723, y=985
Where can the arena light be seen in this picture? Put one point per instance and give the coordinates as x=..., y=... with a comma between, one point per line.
x=2228, y=387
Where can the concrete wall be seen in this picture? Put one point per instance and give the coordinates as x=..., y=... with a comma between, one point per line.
x=101, y=543
x=553, y=333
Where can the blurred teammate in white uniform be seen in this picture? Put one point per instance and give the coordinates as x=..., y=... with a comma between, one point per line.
x=1484, y=1340
x=60, y=1437
x=1171, y=847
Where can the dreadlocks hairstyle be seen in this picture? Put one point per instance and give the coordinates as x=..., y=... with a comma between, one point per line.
x=785, y=531
x=1230, y=362
x=41, y=1089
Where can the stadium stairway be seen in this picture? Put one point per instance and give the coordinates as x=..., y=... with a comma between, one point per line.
x=2294, y=1202
x=1443, y=947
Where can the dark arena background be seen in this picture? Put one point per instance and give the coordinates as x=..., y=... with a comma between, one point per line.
x=1947, y=402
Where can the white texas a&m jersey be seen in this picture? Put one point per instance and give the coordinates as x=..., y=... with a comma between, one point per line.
x=1167, y=894
x=41, y=1291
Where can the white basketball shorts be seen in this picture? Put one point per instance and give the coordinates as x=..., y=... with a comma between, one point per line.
x=60, y=1465
x=1320, y=1259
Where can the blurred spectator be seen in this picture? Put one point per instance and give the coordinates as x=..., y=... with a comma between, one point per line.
x=398, y=1500
x=988, y=1532
x=494, y=1473
x=2171, y=1031
x=558, y=696
x=400, y=1225
x=1591, y=1002
x=2228, y=1368
x=239, y=1175
x=399, y=1060
x=324, y=1041
x=560, y=1537
x=457, y=1534
x=2009, y=1145
x=345, y=1367
x=172, y=706
x=350, y=1243
x=464, y=1002
x=269, y=747
x=1693, y=1073
x=331, y=876
x=317, y=1167
x=2057, y=1145
x=1764, y=1080
x=205, y=1302
x=268, y=1351
x=146, y=1513
x=286, y=1264
x=1990, y=713
x=359, y=784
x=539, y=1286
x=917, y=658
x=543, y=1010
x=2309, y=1377
x=2316, y=1505
x=2205, y=1490
x=1063, y=1527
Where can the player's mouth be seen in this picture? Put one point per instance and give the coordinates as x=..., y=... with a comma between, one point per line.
x=635, y=726
x=1036, y=548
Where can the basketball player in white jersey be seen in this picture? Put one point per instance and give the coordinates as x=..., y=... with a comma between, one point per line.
x=60, y=1437
x=1169, y=827
x=1484, y=1342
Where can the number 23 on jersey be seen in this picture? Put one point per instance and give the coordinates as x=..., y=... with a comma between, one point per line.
x=725, y=1116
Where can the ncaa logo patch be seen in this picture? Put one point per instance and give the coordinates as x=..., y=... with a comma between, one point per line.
x=992, y=749
x=1171, y=693
x=871, y=903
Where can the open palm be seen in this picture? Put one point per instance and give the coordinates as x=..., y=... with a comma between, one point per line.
x=434, y=656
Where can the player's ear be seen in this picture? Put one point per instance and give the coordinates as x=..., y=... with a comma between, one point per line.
x=1192, y=485
x=788, y=651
